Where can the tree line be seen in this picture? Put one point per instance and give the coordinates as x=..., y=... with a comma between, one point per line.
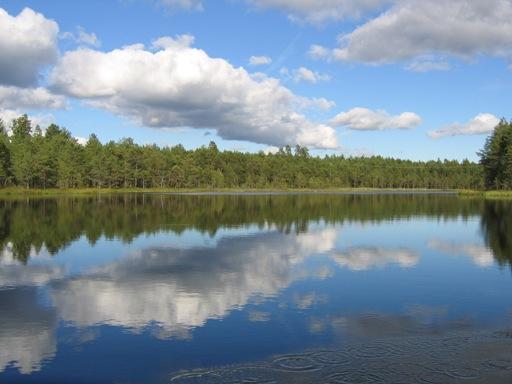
x=496, y=157
x=31, y=158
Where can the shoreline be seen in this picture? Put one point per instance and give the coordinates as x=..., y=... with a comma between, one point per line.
x=23, y=192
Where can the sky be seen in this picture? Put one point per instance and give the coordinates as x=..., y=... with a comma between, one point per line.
x=412, y=79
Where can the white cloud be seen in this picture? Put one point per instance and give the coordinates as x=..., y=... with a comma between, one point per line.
x=28, y=42
x=7, y=115
x=305, y=74
x=82, y=37
x=41, y=119
x=81, y=140
x=15, y=101
x=319, y=103
x=188, y=5
x=168, y=42
x=412, y=28
x=29, y=98
x=483, y=123
x=271, y=150
x=260, y=60
x=176, y=85
x=427, y=66
x=318, y=52
x=369, y=120
x=319, y=11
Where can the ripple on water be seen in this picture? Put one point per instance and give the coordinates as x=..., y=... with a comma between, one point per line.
x=405, y=369
x=197, y=377
x=372, y=351
x=433, y=377
x=464, y=373
x=330, y=357
x=360, y=376
x=411, y=361
x=296, y=363
x=250, y=375
x=502, y=364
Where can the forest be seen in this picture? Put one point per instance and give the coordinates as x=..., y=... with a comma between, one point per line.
x=496, y=157
x=31, y=158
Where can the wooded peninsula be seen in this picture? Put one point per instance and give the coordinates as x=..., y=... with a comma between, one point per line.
x=31, y=158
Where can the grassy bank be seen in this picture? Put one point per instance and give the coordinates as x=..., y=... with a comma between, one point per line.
x=23, y=192
x=486, y=194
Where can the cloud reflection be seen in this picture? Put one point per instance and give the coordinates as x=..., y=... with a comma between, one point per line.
x=480, y=254
x=364, y=258
x=181, y=289
x=14, y=273
x=27, y=330
x=169, y=290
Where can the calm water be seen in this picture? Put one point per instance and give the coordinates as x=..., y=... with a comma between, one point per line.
x=256, y=289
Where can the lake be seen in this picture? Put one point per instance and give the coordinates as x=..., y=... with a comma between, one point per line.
x=256, y=288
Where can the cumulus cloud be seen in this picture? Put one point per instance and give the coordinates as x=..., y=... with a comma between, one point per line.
x=188, y=5
x=483, y=123
x=81, y=140
x=175, y=85
x=305, y=74
x=29, y=98
x=318, y=52
x=28, y=42
x=41, y=119
x=271, y=150
x=319, y=11
x=82, y=37
x=412, y=28
x=168, y=42
x=7, y=115
x=15, y=101
x=364, y=119
x=428, y=66
x=259, y=60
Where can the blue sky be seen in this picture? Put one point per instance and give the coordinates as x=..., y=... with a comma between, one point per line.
x=402, y=78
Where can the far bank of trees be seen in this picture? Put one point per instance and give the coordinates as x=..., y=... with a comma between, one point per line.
x=30, y=158
x=496, y=157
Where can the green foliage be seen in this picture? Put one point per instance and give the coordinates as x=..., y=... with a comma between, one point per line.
x=496, y=157
x=31, y=159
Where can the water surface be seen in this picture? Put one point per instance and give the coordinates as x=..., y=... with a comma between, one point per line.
x=256, y=288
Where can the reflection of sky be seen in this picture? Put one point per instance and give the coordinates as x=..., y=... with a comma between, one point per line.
x=248, y=292
x=26, y=330
x=80, y=255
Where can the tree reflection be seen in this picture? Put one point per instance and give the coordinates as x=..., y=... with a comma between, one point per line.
x=497, y=229
x=26, y=226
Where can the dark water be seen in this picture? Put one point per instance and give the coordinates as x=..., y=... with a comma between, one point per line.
x=256, y=289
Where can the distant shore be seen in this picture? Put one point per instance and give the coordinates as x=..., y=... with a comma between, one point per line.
x=23, y=192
